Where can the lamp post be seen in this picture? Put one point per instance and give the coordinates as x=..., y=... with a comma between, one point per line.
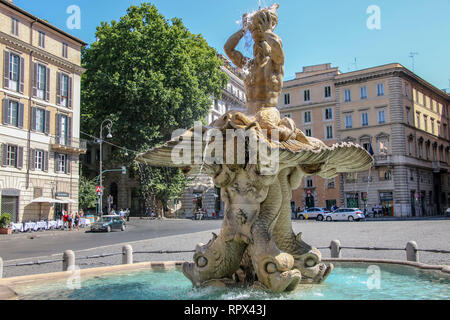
x=108, y=126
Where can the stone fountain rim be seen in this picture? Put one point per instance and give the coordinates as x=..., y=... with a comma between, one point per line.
x=7, y=284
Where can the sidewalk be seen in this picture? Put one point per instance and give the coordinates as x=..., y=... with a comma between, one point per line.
x=427, y=218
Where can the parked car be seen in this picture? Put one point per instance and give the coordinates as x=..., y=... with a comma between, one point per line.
x=448, y=212
x=314, y=213
x=347, y=214
x=108, y=223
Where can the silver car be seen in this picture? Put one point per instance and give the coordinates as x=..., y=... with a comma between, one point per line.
x=314, y=213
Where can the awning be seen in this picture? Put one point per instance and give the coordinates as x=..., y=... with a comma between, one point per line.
x=66, y=201
x=45, y=200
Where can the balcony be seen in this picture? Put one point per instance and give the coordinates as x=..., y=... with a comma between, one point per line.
x=439, y=166
x=382, y=160
x=65, y=145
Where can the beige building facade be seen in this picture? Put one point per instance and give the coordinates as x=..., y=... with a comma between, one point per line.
x=403, y=121
x=40, y=116
x=310, y=101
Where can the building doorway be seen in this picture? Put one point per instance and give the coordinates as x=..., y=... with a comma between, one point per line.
x=413, y=203
x=387, y=203
x=198, y=201
x=114, y=192
x=309, y=201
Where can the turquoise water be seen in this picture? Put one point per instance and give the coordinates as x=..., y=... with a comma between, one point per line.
x=346, y=282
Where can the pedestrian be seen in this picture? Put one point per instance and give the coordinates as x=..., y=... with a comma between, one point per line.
x=70, y=221
x=122, y=214
x=127, y=213
x=77, y=220
x=65, y=219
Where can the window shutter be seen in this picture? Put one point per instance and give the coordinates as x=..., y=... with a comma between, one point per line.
x=68, y=163
x=57, y=127
x=6, y=69
x=55, y=159
x=45, y=164
x=69, y=94
x=47, y=121
x=22, y=75
x=58, y=88
x=69, y=131
x=31, y=159
x=34, y=81
x=19, y=157
x=33, y=118
x=21, y=115
x=47, y=86
x=4, y=154
x=5, y=111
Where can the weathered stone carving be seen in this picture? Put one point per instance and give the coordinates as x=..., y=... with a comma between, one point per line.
x=257, y=246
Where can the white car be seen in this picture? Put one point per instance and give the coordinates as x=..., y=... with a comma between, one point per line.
x=345, y=214
x=313, y=213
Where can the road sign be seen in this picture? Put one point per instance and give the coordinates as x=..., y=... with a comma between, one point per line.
x=99, y=190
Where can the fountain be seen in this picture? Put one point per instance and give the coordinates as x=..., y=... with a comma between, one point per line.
x=266, y=158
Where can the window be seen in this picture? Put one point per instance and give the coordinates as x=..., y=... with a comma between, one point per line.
x=348, y=95
x=62, y=163
x=385, y=175
x=327, y=92
x=427, y=150
x=420, y=149
x=348, y=121
x=364, y=119
x=306, y=95
x=39, y=160
x=425, y=122
x=307, y=117
x=329, y=114
x=41, y=81
x=13, y=113
x=64, y=90
x=408, y=115
x=14, y=71
x=383, y=145
x=411, y=175
x=381, y=116
x=380, y=89
x=287, y=98
x=410, y=146
x=331, y=183
x=366, y=145
x=41, y=40
x=432, y=125
x=329, y=132
x=65, y=50
x=15, y=27
x=309, y=182
x=444, y=133
x=406, y=89
x=364, y=92
x=12, y=156
x=308, y=132
x=418, y=120
x=40, y=121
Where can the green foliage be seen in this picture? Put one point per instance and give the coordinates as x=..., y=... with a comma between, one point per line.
x=5, y=220
x=150, y=76
x=87, y=195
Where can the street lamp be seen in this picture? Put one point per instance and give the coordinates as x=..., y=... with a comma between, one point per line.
x=107, y=123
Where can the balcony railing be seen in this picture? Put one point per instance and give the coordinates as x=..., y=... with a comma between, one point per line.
x=66, y=145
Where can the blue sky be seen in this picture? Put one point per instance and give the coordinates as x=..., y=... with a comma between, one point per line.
x=313, y=31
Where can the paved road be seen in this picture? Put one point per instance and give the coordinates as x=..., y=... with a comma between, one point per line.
x=185, y=234
x=53, y=242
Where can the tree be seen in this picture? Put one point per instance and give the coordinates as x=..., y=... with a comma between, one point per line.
x=150, y=76
x=87, y=195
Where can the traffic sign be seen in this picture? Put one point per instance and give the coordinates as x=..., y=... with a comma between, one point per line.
x=99, y=190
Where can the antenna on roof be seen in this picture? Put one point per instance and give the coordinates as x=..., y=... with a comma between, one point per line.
x=411, y=55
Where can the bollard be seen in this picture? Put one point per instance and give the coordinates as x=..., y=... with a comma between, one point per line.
x=335, y=247
x=68, y=260
x=1, y=267
x=411, y=251
x=127, y=254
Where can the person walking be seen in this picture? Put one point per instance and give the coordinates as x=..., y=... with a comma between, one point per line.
x=77, y=221
x=70, y=221
x=65, y=219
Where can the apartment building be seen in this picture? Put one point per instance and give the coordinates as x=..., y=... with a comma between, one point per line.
x=403, y=121
x=309, y=99
x=40, y=116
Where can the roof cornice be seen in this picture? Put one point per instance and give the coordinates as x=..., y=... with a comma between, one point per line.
x=39, y=53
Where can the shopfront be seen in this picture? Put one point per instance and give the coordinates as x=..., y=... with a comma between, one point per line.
x=387, y=203
x=352, y=200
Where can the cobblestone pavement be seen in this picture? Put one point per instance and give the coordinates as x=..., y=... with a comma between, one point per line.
x=392, y=234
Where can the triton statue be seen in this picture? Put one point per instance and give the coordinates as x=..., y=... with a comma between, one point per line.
x=257, y=246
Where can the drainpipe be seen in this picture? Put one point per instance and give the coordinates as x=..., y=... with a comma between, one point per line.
x=30, y=93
